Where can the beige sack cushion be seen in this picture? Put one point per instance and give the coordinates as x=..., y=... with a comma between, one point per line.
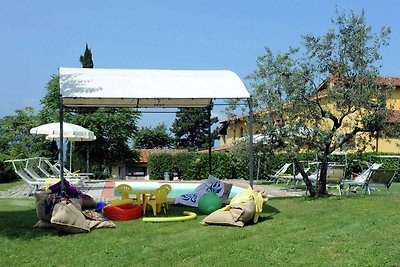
x=44, y=224
x=68, y=219
x=237, y=215
x=43, y=213
x=100, y=224
x=45, y=202
x=248, y=210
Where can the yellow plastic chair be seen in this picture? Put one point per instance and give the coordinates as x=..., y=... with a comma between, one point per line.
x=158, y=199
x=124, y=190
x=169, y=189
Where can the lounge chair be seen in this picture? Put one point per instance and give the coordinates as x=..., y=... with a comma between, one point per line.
x=34, y=185
x=298, y=177
x=31, y=167
x=55, y=168
x=34, y=181
x=361, y=179
x=281, y=174
x=43, y=169
x=73, y=173
x=380, y=177
x=335, y=176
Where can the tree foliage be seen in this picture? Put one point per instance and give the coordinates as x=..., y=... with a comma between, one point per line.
x=157, y=137
x=113, y=127
x=16, y=142
x=191, y=129
x=324, y=95
x=86, y=59
x=51, y=101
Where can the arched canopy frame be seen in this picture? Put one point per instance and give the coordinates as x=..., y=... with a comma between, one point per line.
x=145, y=88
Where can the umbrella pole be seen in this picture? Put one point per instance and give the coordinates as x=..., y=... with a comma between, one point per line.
x=62, y=147
x=251, y=146
x=70, y=156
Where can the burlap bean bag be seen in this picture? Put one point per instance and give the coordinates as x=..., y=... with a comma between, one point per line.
x=68, y=219
x=237, y=215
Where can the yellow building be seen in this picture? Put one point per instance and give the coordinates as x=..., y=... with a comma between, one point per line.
x=234, y=128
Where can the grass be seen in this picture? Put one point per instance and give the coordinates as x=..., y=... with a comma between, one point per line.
x=356, y=230
x=11, y=185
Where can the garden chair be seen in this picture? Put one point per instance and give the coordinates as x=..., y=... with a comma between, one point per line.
x=334, y=177
x=34, y=184
x=73, y=173
x=298, y=177
x=43, y=170
x=281, y=173
x=380, y=177
x=159, y=199
x=56, y=169
x=125, y=190
x=360, y=180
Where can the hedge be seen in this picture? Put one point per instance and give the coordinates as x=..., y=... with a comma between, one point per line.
x=194, y=166
x=189, y=165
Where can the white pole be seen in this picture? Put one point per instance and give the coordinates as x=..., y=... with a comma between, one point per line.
x=70, y=156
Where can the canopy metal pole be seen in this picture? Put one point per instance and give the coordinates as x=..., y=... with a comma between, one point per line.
x=70, y=156
x=61, y=145
x=209, y=139
x=251, y=148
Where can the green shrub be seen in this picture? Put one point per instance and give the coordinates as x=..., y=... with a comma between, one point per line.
x=235, y=164
x=158, y=163
x=7, y=173
x=186, y=165
x=221, y=165
x=190, y=165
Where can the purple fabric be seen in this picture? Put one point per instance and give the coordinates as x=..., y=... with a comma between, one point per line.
x=71, y=191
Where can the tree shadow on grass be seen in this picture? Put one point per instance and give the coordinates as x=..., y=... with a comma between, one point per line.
x=268, y=213
x=19, y=225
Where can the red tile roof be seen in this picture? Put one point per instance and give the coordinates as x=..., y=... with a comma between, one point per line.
x=145, y=153
x=394, y=117
x=390, y=80
x=215, y=149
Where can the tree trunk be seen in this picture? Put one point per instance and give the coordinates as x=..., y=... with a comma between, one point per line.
x=323, y=172
x=306, y=180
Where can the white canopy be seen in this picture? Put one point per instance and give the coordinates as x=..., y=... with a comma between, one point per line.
x=85, y=87
x=148, y=88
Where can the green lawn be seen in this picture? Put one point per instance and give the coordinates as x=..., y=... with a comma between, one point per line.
x=357, y=230
x=10, y=185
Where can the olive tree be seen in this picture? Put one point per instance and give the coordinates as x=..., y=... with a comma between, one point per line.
x=324, y=94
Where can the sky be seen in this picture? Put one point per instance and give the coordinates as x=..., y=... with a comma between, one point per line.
x=38, y=37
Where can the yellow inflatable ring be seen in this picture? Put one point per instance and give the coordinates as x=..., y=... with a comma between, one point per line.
x=117, y=202
x=188, y=216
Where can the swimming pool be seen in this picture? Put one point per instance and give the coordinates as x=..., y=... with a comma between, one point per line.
x=177, y=188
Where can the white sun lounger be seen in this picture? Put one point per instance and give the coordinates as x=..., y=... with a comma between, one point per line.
x=37, y=182
x=281, y=173
x=360, y=180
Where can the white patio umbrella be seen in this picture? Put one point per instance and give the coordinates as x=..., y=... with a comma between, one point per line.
x=69, y=129
x=71, y=132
